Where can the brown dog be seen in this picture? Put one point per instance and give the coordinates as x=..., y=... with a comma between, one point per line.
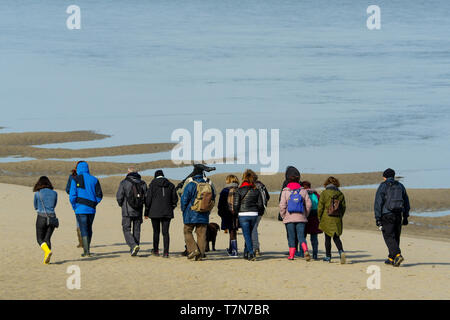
x=211, y=235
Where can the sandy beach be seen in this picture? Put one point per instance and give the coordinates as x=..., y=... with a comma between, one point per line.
x=111, y=273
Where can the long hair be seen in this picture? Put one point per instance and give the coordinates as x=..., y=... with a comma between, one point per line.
x=333, y=181
x=74, y=171
x=43, y=183
x=249, y=176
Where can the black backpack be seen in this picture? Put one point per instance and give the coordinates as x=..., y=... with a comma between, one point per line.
x=394, y=197
x=136, y=195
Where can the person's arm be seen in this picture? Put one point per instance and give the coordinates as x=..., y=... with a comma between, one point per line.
x=174, y=197
x=148, y=200
x=379, y=202
x=69, y=182
x=407, y=207
x=321, y=206
x=187, y=195
x=120, y=195
x=35, y=201
x=73, y=195
x=237, y=202
x=98, y=191
x=222, y=203
x=307, y=200
x=56, y=199
x=260, y=203
x=283, y=204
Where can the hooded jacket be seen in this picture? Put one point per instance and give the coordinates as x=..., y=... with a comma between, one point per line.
x=124, y=189
x=285, y=195
x=380, y=200
x=187, y=201
x=161, y=199
x=330, y=225
x=85, y=191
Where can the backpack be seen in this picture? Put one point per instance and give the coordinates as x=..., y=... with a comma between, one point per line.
x=203, y=201
x=394, y=198
x=295, y=202
x=314, y=200
x=136, y=195
x=230, y=199
x=335, y=206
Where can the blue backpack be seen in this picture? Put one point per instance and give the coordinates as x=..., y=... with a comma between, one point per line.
x=295, y=202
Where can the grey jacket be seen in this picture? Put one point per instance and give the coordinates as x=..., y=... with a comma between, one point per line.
x=124, y=188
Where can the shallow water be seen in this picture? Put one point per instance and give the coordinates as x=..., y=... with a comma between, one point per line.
x=345, y=99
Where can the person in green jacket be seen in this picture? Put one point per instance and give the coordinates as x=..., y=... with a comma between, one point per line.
x=330, y=211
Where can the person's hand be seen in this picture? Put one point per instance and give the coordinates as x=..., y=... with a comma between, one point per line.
x=378, y=223
x=146, y=218
x=405, y=221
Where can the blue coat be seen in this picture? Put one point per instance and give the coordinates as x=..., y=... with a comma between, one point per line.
x=187, y=201
x=85, y=191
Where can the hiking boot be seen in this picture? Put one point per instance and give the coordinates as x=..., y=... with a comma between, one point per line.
x=193, y=254
x=200, y=257
x=307, y=256
x=342, y=256
x=246, y=255
x=398, y=260
x=165, y=255
x=389, y=261
x=326, y=259
x=251, y=257
x=135, y=251
x=155, y=252
x=257, y=253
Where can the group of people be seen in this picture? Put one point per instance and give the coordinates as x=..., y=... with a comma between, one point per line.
x=241, y=205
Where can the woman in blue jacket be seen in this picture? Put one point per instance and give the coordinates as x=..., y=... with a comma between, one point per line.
x=45, y=200
x=85, y=194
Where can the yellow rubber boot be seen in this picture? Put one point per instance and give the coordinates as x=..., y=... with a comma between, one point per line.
x=47, y=253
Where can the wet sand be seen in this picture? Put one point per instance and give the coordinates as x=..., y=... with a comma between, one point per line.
x=112, y=273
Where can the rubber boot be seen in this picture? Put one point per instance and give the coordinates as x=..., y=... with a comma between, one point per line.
x=234, y=249
x=80, y=241
x=86, y=252
x=291, y=253
x=47, y=253
x=305, y=250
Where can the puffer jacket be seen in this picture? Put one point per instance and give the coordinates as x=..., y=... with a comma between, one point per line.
x=85, y=191
x=124, y=189
x=187, y=201
x=294, y=217
x=161, y=199
x=248, y=199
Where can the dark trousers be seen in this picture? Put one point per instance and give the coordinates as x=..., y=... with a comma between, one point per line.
x=337, y=242
x=43, y=231
x=191, y=244
x=157, y=224
x=392, y=228
x=85, y=222
x=131, y=227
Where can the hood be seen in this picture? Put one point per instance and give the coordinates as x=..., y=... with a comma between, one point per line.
x=161, y=182
x=134, y=176
x=294, y=185
x=82, y=167
x=332, y=187
x=291, y=171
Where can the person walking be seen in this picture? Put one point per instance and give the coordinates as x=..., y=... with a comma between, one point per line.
x=69, y=182
x=131, y=198
x=295, y=206
x=197, y=201
x=312, y=226
x=161, y=200
x=45, y=200
x=226, y=212
x=391, y=212
x=248, y=202
x=265, y=197
x=330, y=211
x=85, y=194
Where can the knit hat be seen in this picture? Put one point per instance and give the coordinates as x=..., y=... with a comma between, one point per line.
x=389, y=173
x=159, y=173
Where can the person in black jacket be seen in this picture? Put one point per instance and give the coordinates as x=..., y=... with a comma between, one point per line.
x=229, y=218
x=248, y=202
x=131, y=197
x=391, y=205
x=161, y=200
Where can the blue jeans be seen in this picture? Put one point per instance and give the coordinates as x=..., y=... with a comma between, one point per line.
x=248, y=223
x=255, y=238
x=85, y=221
x=295, y=231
